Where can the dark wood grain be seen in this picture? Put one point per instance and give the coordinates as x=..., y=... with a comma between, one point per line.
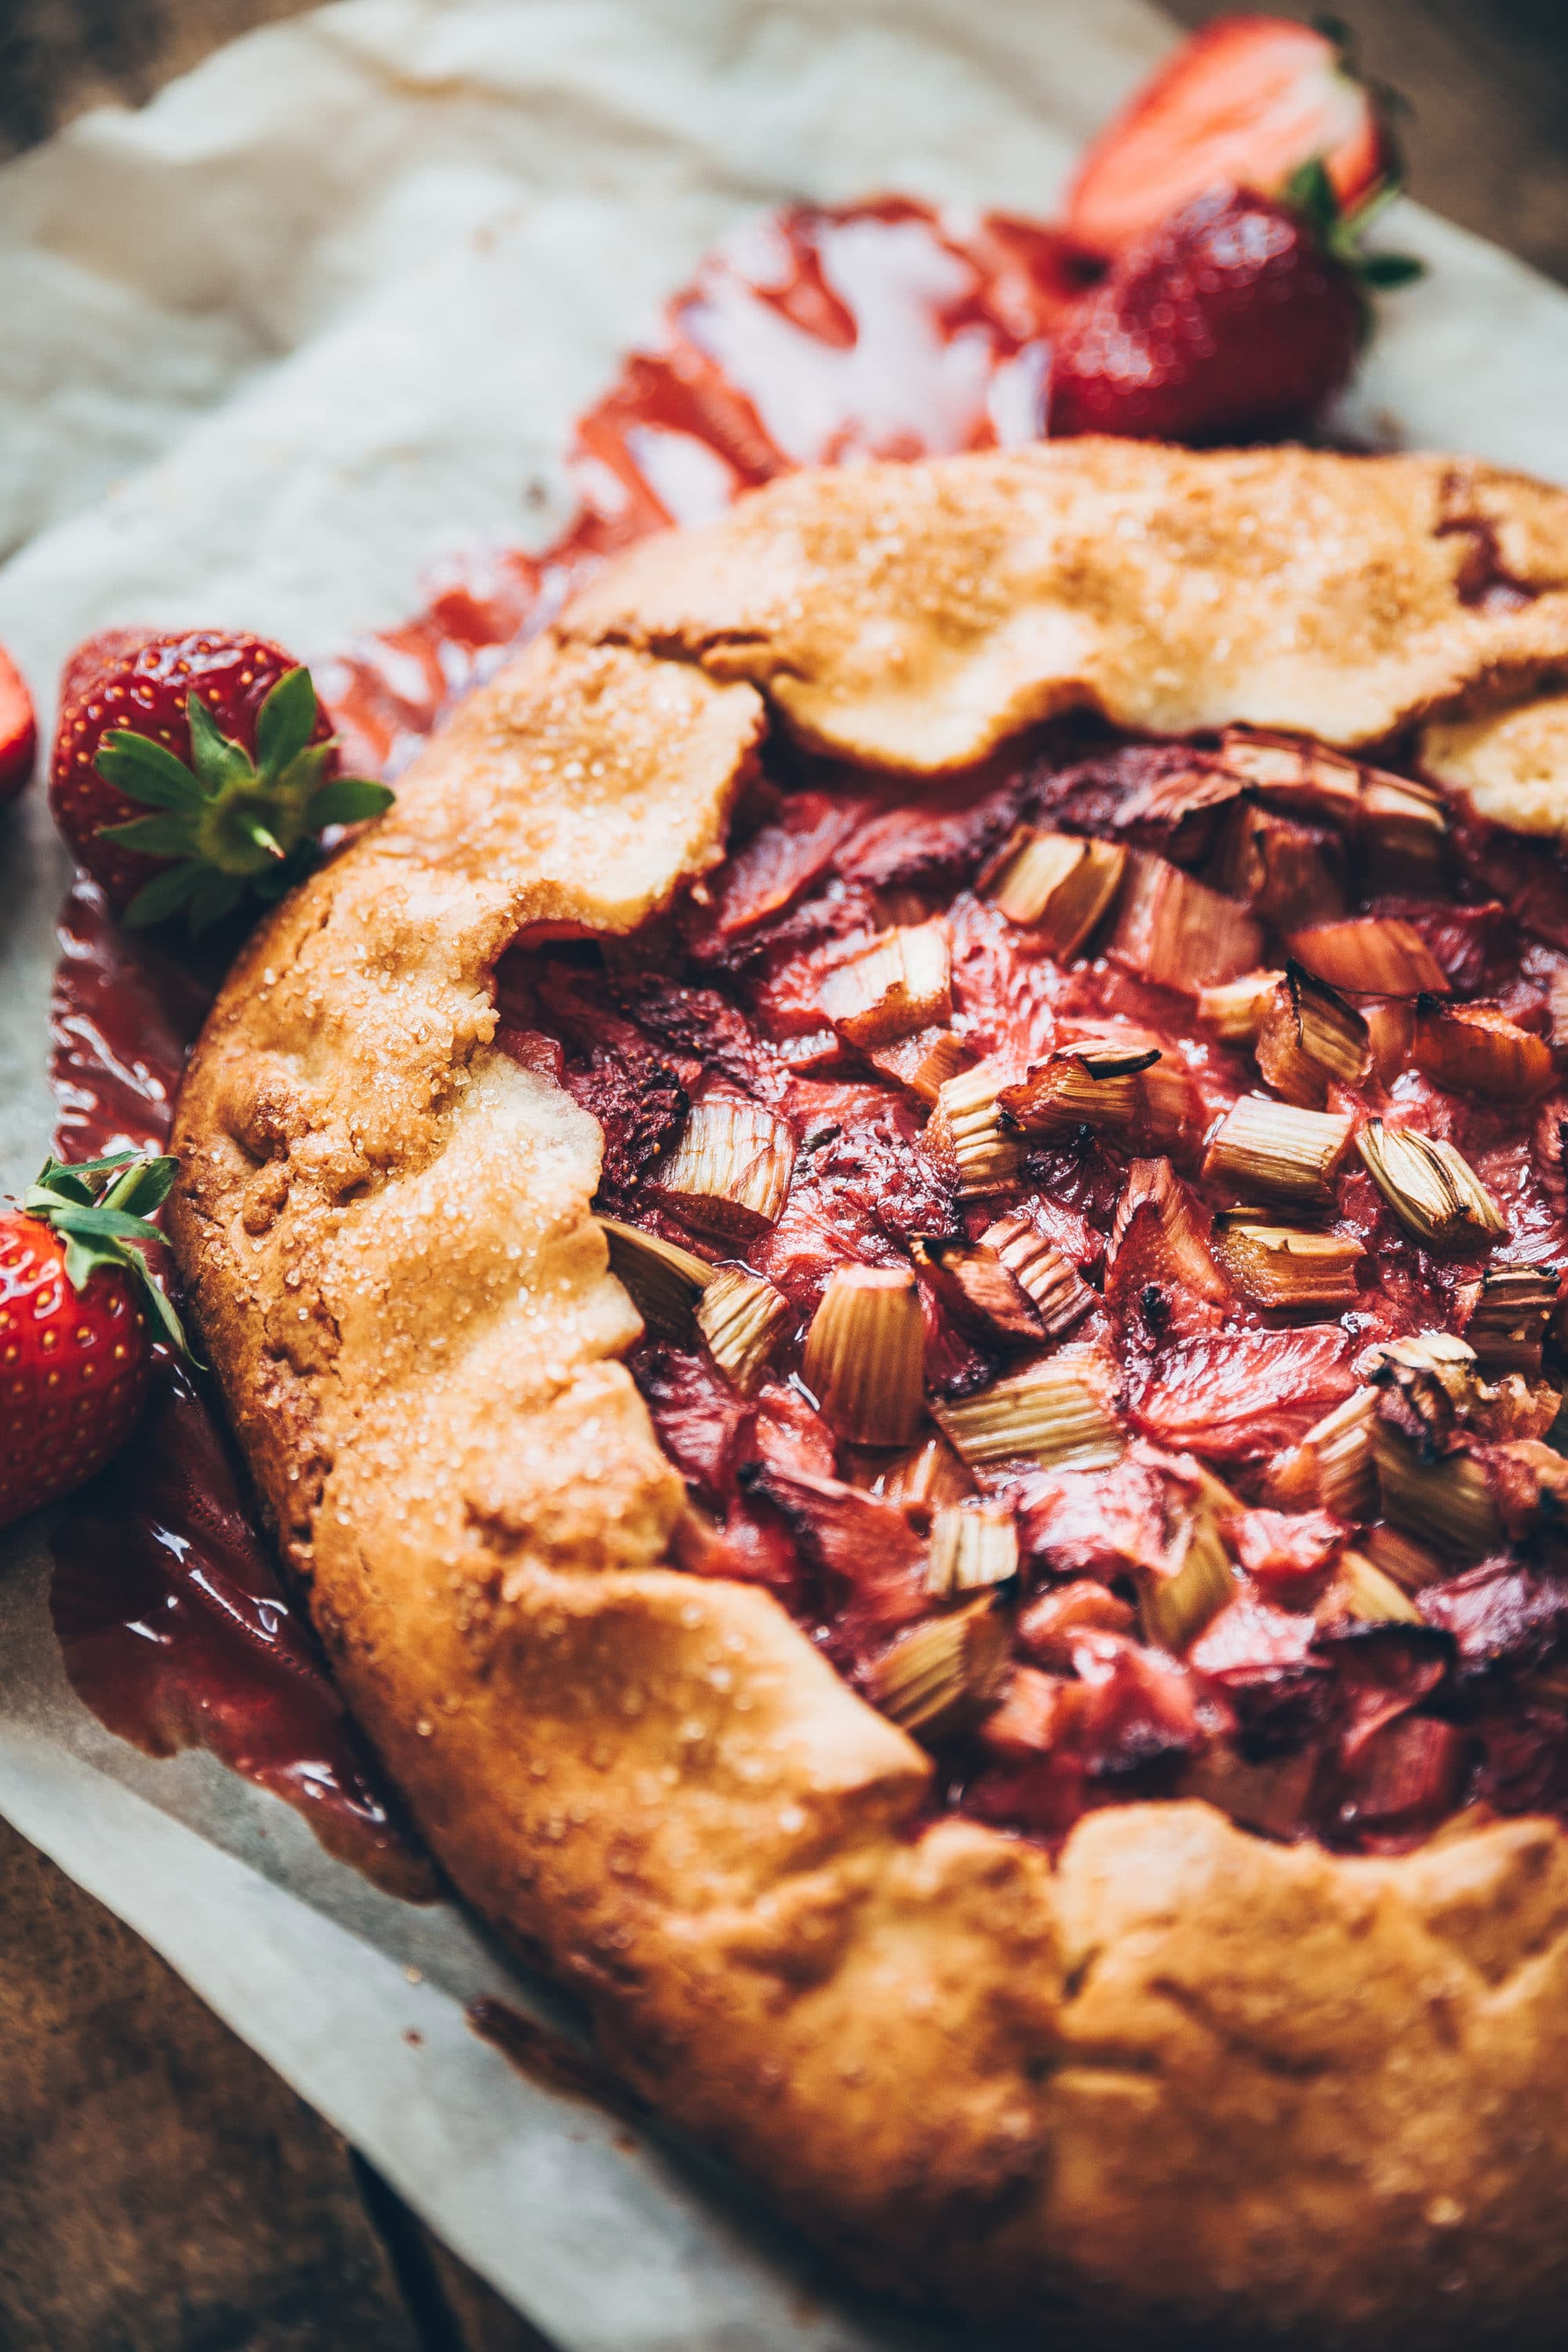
x=161, y=2191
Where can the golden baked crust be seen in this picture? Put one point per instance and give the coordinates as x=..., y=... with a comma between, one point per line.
x=1181, y=2080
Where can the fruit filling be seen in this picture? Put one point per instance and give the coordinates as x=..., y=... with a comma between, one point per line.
x=1097, y=1225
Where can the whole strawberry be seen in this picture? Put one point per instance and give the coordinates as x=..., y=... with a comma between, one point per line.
x=79, y=1308
x=19, y=729
x=1238, y=317
x=191, y=769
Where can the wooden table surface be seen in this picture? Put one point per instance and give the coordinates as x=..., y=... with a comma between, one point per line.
x=160, y=2189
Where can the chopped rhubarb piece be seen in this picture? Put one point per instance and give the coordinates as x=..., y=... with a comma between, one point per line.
x=1431, y=1187
x=980, y=1292
x=1058, y=885
x=1371, y=956
x=1239, y=1397
x=865, y=1354
x=1058, y=1413
x=666, y=1281
x=1081, y=1085
x=1290, y=874
x=973, y=1546
x=923, y=1061
x=926, y=1481
x=1276, y=1151
x=1140, y=1708
x=1287, y=1271
x=1060, y=1295
x=1310, y=1037
x=941, y=1675
x=902, y=983
x=864, y=1542
x=1177, y=932
x=970, y=1131
x=1472, y=1049
x=1506, y=1314
x=1178, y=1598
x=1500, y=1615
x=1404, y=1778
x=729, y=1170
x=1237, y=1007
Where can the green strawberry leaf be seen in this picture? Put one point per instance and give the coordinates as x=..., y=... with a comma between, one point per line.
x=164, y=895
x=214, y=896
x=154, y=836
x=1385, y=270
x=110, y=1229
x=217, y=761
x=1312, y=191
x=348, y=800
x=142, y=1187
x=284, y=723
x=146, y=771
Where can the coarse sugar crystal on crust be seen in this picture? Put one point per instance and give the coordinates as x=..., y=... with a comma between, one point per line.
x=1176, y=2081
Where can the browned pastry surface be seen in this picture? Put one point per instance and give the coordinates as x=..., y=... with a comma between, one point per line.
x=1181, y=2077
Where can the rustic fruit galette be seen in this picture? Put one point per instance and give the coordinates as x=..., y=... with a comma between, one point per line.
x=890, y=1258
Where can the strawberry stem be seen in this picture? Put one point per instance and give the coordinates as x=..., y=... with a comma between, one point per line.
x=227, y=822
x=101, y=1210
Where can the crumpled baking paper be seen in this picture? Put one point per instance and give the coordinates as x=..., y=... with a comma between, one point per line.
x=322, y=314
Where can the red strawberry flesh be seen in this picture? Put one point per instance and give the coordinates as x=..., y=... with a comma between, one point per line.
x=1245, y=102
x=18, y=730
x=1227, y=321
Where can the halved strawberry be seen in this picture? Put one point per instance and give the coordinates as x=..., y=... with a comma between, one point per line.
x=221, y=738
x=79, y=1308
x=1243, y=104
x=19, y=729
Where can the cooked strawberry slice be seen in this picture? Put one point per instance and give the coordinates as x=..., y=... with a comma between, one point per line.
x=1243, y=104
x=18, y=730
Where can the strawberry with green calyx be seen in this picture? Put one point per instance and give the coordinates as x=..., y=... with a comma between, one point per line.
x=1239, y=317
x=79, y=1311
x=193, y=769
x=1244, y=102
x=230, y=822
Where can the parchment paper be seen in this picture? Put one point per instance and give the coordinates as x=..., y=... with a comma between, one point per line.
x=320, y=315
